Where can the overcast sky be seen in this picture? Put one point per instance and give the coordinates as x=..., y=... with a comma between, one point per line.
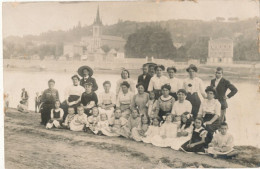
x=34, y=18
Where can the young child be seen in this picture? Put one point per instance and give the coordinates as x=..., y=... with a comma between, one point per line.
x=80, y=120
x=133, y=121
x=119, y=124
x=168, y=132
x=93, y=121
x=138, y=132
x=153, y=130
x=152, y=104
x=103, y=126
x=222, y=143
x=56, y=116
x=198, y=138
x=69, y=118
x=184, y=131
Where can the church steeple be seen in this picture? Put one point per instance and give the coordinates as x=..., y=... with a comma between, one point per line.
x=97, y=21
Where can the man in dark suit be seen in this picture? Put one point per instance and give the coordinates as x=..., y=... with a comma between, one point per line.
x=145, y=77
x=221, y=85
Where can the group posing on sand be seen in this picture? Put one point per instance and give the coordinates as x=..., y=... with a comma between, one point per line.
x=165, y=111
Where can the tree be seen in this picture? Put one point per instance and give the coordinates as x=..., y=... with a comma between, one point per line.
x=150, y=41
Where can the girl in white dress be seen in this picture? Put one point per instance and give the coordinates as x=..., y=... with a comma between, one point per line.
x=119, y=124
x=139, y=132
x=153, y=130
x=103, y=126
x=184, y=131
x=79, y=121
x=168, y=132
x=93, y=121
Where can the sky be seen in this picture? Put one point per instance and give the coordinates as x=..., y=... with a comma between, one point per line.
x=36, y=17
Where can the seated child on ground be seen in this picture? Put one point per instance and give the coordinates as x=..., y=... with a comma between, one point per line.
x=103, y=126
x=69, y=118
x=153, y=130
x=93, y=121
x=184, y=131
x=168, y=132
x=198, y=141
x=56, y=116
x=138, y=132
x=133, y=121
x=80, y=120
x=119, y=124
x=222, y=143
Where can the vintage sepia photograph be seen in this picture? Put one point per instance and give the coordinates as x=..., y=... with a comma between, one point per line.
x=153, y=84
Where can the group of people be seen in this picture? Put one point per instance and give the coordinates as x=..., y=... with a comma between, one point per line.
x=165, y=111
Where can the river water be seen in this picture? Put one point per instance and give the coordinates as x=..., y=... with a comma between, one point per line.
x=243, y=114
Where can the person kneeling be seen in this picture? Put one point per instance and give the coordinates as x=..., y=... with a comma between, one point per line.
x=222, y=143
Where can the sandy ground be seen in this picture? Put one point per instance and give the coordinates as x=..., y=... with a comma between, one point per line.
x=30, y=145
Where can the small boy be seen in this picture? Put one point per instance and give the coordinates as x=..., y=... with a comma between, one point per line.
x=222, y=143
x=69, y=118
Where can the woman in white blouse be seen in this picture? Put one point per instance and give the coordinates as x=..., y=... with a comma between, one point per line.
x=157, y=81
x=194, y=86
x=175, y=83
x=210, y=111
x=107, y=100
x=125, y=100
x=181, y=105
x=125, y=76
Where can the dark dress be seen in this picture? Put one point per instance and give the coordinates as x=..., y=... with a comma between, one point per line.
x=195, y=102
x=48, y=99
x=145, y=81
x=196, y=137
x=65, y=106
x=213, y=127
x=56, y=115
x=89, y=80
x=86, y=99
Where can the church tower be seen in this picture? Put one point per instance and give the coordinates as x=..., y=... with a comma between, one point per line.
x=97, y=31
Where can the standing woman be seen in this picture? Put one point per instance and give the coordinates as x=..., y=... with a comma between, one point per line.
x=48, y=99
x=72, y=95
x=194, y=86
x=125, y=77
x=157, y=81
x=210, y=111
x=165, y=102
x=86, y=73
x=140, y=99
x=175, y=83
x=125, y=100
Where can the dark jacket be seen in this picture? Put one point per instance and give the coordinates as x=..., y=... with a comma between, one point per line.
x=221, y=90
x=90, y=79
x=145, y=81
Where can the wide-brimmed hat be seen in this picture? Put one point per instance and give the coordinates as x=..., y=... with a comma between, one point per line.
x=193, y=67
x=80, y=70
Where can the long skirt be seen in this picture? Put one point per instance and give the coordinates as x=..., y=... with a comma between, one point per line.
x=46, y=112
x=178, y=142
x=212, y=127
x=136, y=135
x=197, y=148
x=65, y=106
x=195, y=102
x=162, y=114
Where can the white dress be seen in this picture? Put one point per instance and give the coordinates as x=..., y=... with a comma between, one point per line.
x=150, y=133
x=103, y=126
x=179, y=141
x=170, y=131
x=220, y=141
x=78, y=122
x=107, y=98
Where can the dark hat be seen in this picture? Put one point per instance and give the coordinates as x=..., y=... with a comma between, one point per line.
x=80, y=70
x=193, y=67
x=51, y=80
x=172, y=68
x=167, y=86
x=159, y=66
x=75, y=76
x=210, y=89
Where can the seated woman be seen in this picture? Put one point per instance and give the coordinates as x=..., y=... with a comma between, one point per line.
x=140, y=99
x=181, y=105
x=210, y=111
x=107, y=100
x=165, y=102
x=80, y=120
x=184, y=131
x=125, y=77
x=197, y=142
x=89, y=99
x=125, y=100
x=222, y=143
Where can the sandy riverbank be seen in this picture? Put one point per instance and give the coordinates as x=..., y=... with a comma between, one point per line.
x=30, y=145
